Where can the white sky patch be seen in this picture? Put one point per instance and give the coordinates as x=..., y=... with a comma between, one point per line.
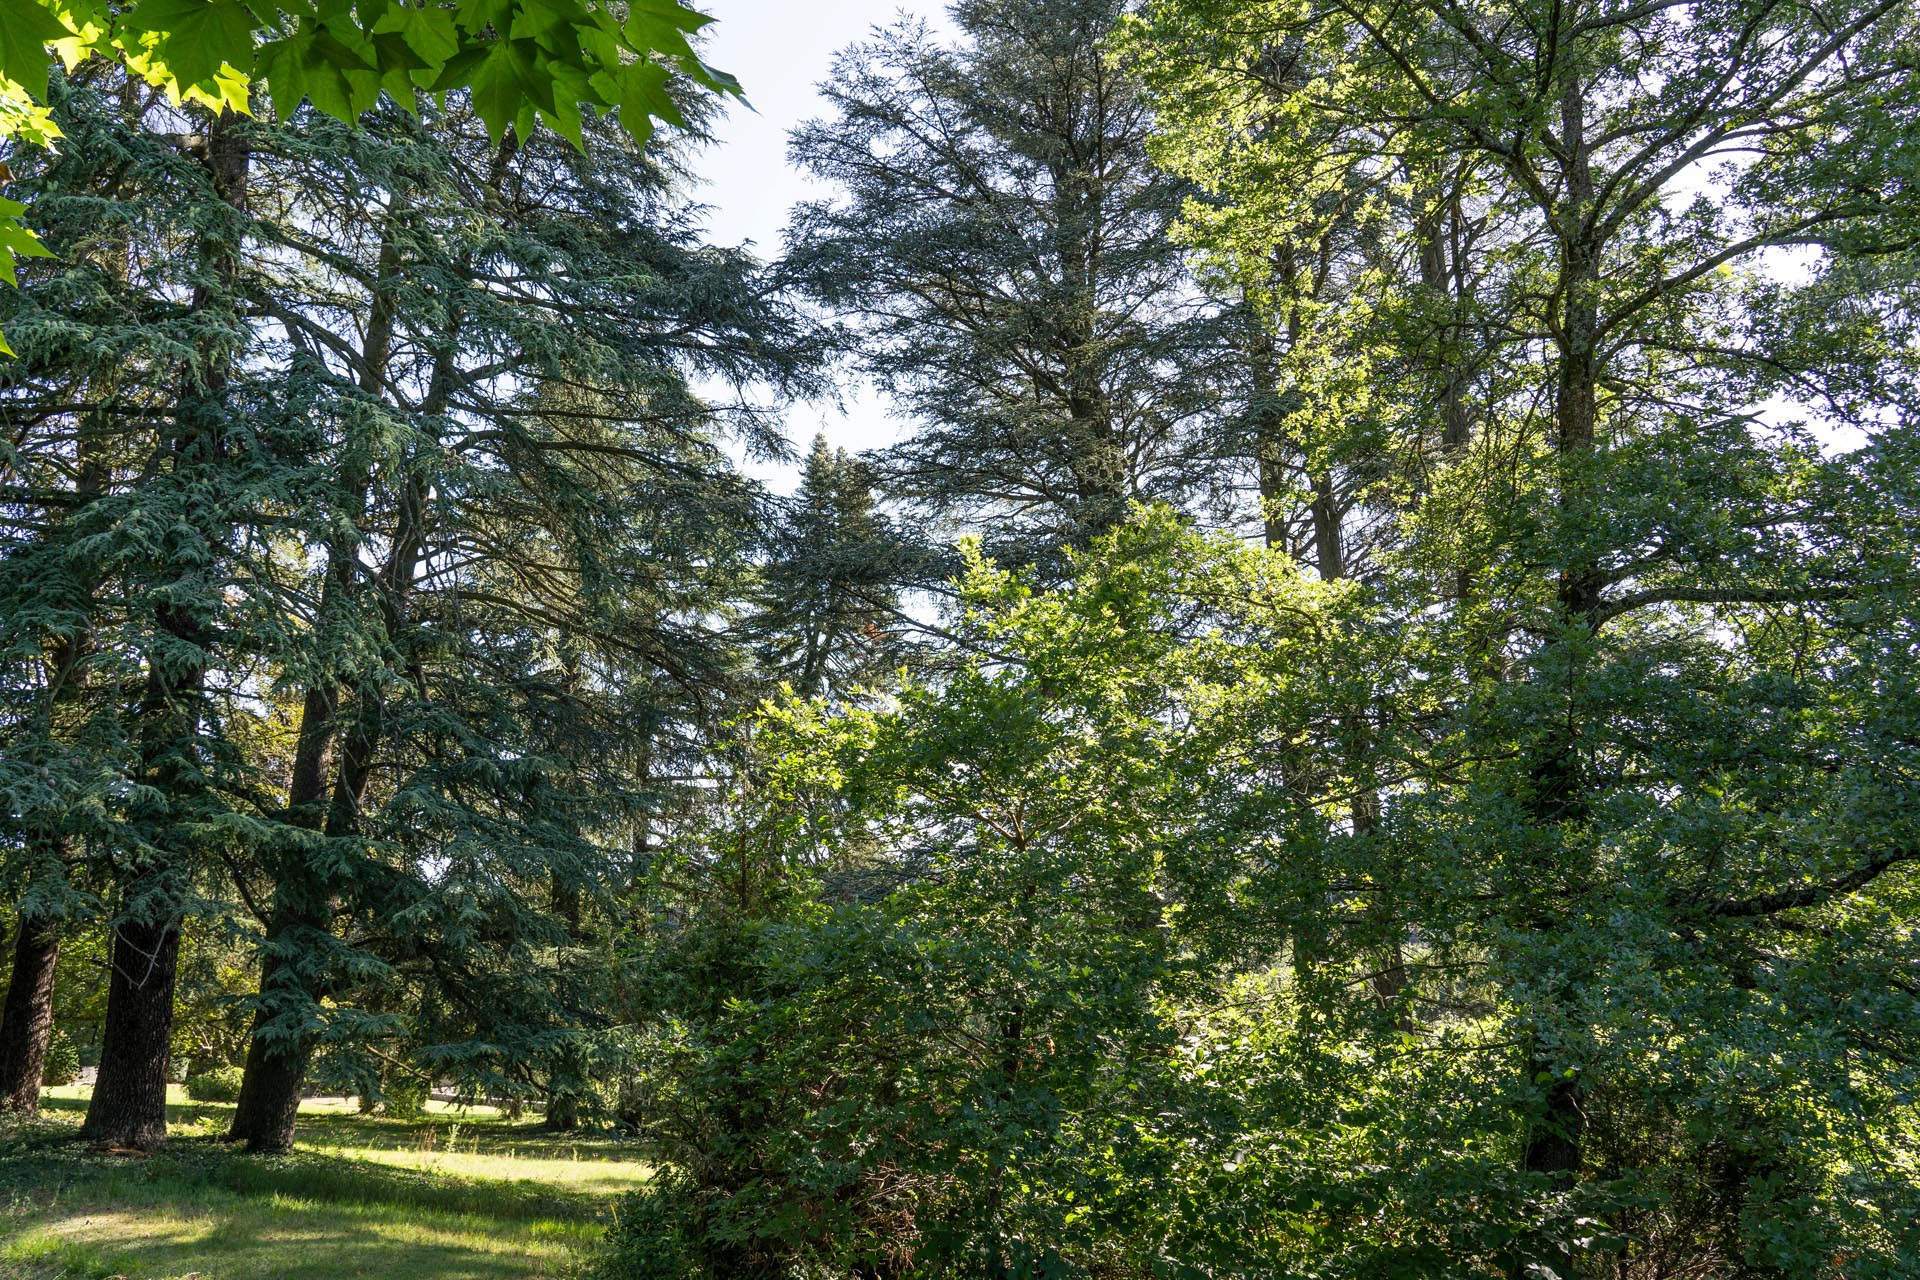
x=781, y=52
x=1792, y=265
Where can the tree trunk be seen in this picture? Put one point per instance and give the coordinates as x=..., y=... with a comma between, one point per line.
x=129, y=1099
x=1269, y=442
x=563, y=1112
x=278, y=1058
x=276, y=1071
x=1554, y=1144
x=278, y=1055
x=1442, y=274
x=129, y=1107
x=327, y=793
x=26, y=1021
x=1329, y=540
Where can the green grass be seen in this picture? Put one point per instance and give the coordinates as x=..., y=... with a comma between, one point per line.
x=454, y=1196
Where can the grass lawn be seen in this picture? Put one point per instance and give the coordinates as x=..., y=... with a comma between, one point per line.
x=456, y=1195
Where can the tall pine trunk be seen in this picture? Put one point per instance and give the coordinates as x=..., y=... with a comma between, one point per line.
x=129, y=1107
x=26, y=1020
x=276, y=1070
x=278, y=1054
x=129, y=1097
x=1554, y=1143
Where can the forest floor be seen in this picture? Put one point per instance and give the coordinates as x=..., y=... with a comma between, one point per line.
x=461, y=1194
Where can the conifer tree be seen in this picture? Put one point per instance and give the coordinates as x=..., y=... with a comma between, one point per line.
x=57, y=477
x=421, y=475
x=129, y=382
x=551, y=508
x=830, y=621
x=1002, y=253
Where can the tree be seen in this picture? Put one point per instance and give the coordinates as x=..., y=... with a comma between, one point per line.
x=1603, y=562
x=125, y=404
x=937, y=968
x=525, y=61
x=436, y=586
x=898, y=1080
x=555, y=512
x=1002, y=252
x=830, y=618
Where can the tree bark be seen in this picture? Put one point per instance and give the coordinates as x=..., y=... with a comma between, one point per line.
x=326, y=793
x=1554, y=1142
x=1268, y=436
x=276, y=1071
x=129, y=1107
x=563, y=1112
x=26, y=1021
x=278, y=1056
x=129, y=1098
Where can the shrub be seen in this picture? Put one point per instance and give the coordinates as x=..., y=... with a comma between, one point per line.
x=655, y=1235
x=63, y=1060
x=221, y=1084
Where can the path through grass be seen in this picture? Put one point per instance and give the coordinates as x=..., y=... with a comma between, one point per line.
x=455, y=1196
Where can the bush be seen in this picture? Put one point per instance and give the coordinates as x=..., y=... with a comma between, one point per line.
x=655, y=1235
x=63, y=1060
x=222, y=1084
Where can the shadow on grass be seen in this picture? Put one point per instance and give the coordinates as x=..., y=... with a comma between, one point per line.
x=178, y=1113
x=200, y=1208
x=47, y=1159
x=481, y=1134
x=333, y=1178
x=223, y=1241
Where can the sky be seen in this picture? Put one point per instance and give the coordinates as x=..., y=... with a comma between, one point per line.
x=780, y=51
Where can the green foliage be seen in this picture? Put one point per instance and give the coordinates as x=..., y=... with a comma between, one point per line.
x=1506, y=869
x=79, y=998
x=404, y=1095
x=62, y=1065
x=456, y=823
x=1600, y=827
x=931, y=979
x=1072, y=961
x=216, y=975
x=523, y=61
x=655, y=1234
x=221, y=1084
x=1001, y=251
x=830, y=620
